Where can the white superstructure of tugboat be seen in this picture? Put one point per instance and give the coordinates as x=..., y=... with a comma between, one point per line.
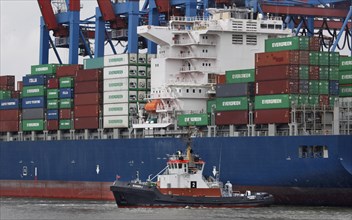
x=182, y=184
x=193, y=50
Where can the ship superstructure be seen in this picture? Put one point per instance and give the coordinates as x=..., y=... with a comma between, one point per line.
x=193, y=50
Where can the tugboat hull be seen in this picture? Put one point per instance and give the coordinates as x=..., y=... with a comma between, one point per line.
x=139, y=195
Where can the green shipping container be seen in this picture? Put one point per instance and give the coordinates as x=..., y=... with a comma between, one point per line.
x=334, y=58
x=324, y=87
x=345, y=91
x=211, y=106
x=303, y=72
x=94, y=63
x=66, y=82
x=52, y=94
x=274, y=101
x=66, y=103
x=231, y=103
x=334, y=73
x=240, y=76
x=345, y=63
x=48, y=69
x=303, y=100
x=324, y=58
x=287, y=43
x=52, y=104
x=33, y=91
x=324, y=72
x=193, y=120
x=345, y=77
x=314, y=58
x=314, y=100
x=65, y=124
x=314, y=87
x=333, y=100
x=4, y=94
x=33, y=125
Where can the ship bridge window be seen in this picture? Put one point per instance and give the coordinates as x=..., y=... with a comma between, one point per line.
x=271, y=26
x=314, y=151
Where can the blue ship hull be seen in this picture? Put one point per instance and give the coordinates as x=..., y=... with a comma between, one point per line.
x=271, y=164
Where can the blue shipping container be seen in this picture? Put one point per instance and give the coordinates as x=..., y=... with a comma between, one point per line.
x=334, y=87
x=34, y=80
x=52, y=114
x=9, y=104
x=33, y=102
x=66, y=93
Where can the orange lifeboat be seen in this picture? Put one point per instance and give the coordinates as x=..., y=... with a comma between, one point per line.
x=151, y=106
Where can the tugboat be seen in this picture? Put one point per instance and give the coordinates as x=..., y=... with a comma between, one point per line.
x=182, y=184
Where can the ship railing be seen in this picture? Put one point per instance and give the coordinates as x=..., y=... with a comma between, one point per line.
x=191, y=56
x=199, y=69
x=188, y=19
x=188, y=42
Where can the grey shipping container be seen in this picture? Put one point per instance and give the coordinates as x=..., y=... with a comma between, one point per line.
x=235, y=89
x=33, y=113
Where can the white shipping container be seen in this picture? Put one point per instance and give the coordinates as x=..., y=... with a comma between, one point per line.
x=148, y=83
x=142, y=83
x=120, y=109
x=150, y=57
x=120, y=59
x=142, y=71
x=120, y=84
x=120, y=121
x=149, y=73
x=142, y=58
x=120, y=72
x=142, y=95
x=120, y=96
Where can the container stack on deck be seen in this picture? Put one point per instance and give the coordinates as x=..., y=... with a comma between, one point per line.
x=34, y=97
x=234, y=97
x=66, y=76
x=9, y=105
x=125, y=85
x=345, y=77
x=88, y=99
x=292, y=72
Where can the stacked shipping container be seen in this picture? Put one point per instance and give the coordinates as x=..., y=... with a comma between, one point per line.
x=88, y=99
x=9, y=106
x=345, y=77
x=34, y=99
x=233, y=98
x=292, y=71
x=125, y=84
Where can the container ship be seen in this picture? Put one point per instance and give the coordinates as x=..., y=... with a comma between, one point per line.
x=269, y=109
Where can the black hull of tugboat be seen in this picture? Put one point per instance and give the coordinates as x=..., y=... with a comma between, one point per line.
x=136, y=195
